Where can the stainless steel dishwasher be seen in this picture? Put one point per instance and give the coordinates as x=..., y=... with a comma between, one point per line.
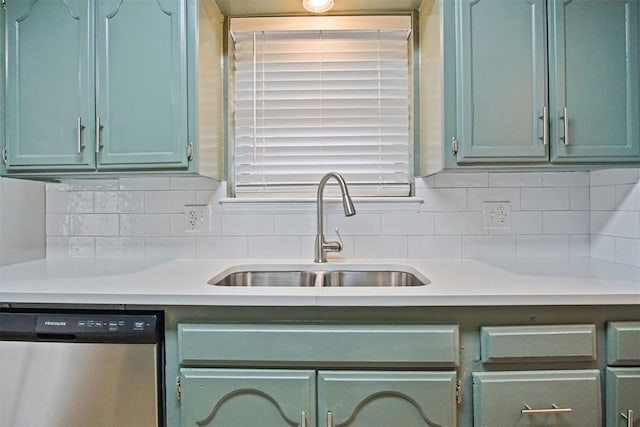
x=81, y=369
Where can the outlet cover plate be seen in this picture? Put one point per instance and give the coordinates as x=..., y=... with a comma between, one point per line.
x=196, y=217
x=497, y=215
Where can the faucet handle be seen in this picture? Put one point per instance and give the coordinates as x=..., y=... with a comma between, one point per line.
x=337, y=230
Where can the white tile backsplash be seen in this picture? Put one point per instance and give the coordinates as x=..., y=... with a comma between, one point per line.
x=553, y=214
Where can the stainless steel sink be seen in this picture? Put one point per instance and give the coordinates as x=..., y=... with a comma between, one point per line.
x=267, y=278
x=320, y=276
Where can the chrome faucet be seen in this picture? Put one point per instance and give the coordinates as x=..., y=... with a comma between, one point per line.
x=322, y=246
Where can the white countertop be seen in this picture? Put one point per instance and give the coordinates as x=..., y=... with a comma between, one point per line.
x=454, y=282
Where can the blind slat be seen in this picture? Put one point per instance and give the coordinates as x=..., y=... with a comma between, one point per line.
x=309, y=102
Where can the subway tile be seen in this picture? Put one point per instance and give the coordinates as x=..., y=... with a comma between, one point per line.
x=552, y=246
x=167, y=201
x=422, y=182
x=69, y=202
x=443, y=199
x=405, y=223
x=579, y=199
x=565, y=179
x=145, y=224
x=579, y=246
x=435, y=247
x=614, y=176
x=357, y=225
x=628, y=197
x=205, y=197
x=462, y=179
x=566, y=222
x=119, y=202
x=477, y=196
x=75, y=247
x=94, y=224
x=145, y=183
x=223, y=247
x=602, y=198
x=515, y=179
x=459, y=223
x=522, y=222
x=119, y=247
x=603, y=247
x=488, y=246
x=627, y=251
x=107, y=202
x=274, y=247
x=380, y=246
x=300, y=224
x=543, y=199
x=170, y=247
x=616, y=224
x=84, y=185
x=247, y=224
x=193, y=183
x=58, y=224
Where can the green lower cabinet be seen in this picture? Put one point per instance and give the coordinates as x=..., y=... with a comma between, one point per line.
x=386, y=399
x=623, y=397
x=567, y=398
x=247, y=397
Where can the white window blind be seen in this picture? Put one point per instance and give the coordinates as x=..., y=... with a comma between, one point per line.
x=311, y=101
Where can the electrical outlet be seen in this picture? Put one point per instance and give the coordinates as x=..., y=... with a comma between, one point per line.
x=497, y=215
x=196, y=217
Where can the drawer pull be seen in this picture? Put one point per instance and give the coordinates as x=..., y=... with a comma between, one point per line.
x=629, y=417
x=329, y=419
x=527, y=410
x=303, y=420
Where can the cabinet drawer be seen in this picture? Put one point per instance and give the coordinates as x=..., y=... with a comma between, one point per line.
x=535, y=398
x=547, y=343
x=318, y=345
x=623, y=343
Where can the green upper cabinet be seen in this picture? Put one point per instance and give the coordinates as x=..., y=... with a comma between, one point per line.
x=502, y=81
x=49, y=84
x=96, y=86
x=509, y=112
x=594, y=80
x=141, y=84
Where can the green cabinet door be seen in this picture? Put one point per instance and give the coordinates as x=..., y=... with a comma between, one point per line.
x=501, y=81
x=247, y=398
x=49, y=85
x=141, y=84
x=623, y=397
x=593, y=69
x=537, y=398
x=386, y=399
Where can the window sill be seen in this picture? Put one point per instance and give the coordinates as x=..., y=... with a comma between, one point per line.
x=362, y=204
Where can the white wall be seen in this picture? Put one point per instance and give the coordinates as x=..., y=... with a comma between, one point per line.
x=22, y=219
x=142, y=217
x=615, y=215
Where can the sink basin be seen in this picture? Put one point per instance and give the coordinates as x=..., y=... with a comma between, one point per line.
x=315, y=275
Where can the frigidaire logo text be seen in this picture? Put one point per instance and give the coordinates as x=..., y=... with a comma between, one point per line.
x=55, y=323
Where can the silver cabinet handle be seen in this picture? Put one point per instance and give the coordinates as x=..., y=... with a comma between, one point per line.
x=303, y=419
x=565, y=118
x=329, y=419
x=527, y=410
x=79, y=128
x=98, y=129
x=545, y=125
x=629, y=417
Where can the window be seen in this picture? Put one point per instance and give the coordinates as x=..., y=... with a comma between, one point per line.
x=310, y=95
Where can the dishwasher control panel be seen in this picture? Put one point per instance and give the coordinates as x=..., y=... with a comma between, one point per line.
x=81, y=327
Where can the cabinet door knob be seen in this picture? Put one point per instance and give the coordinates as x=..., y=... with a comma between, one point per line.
x=79, y=127
x=98, y=129
x=527, y=410
x=629, y=417
x=565, y=119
